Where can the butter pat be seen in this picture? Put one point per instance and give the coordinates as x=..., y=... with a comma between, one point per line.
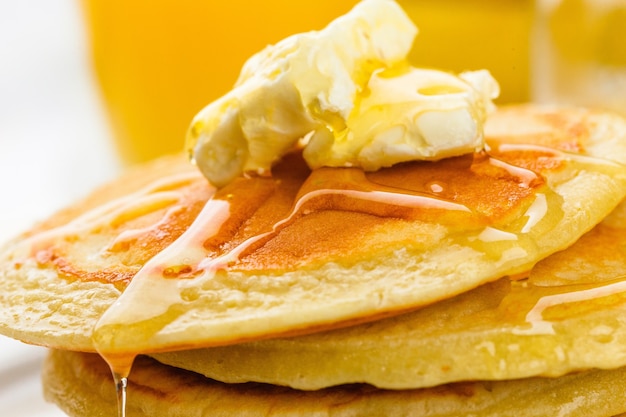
x=348, y=94
x=409, y=114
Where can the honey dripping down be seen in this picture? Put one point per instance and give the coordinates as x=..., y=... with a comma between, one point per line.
x=226, y=234
x=405, y=192
x=598, y=293
x=409, y=196
x=345, y=189
x=235, y=226
x=120, y=366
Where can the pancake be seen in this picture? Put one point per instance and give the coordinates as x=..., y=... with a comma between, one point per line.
x=466, y=334
x=568, y=315
x=303, y=251
x=60, y=277
x=82, y=386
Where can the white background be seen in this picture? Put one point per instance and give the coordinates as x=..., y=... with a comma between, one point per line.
x=54, y=148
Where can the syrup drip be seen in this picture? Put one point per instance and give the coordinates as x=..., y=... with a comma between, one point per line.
x=185, y=261
x=154, y=196
x=305, y=204
x=128, y=236
x=539, y=325
x=121, y=386
x=500, y=149
x=120, y=369
x=527, y=176
x=136, y=317
x=343, y=189
x=536, y=212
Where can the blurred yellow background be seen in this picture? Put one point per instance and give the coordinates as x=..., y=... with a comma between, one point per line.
x=463, y=35
x=159, y=62
x=580, y=53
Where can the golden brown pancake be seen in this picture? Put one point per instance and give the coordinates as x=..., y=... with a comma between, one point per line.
x=569, y=315
x=304, y=251
x=60, y=277
x=82, y=386
x=352, y=246
x=470, y=336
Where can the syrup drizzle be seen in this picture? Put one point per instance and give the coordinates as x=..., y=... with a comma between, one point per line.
x=154, y=196
x=562, y=155
x=394, y=198
x=127, y=236
x=324, y=189
x=187, y=257
x=187, y=249
x=121, y=388
x=120, y=366
x=534, y=317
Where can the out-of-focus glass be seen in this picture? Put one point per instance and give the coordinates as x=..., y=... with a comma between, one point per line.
x=159, y=62
x=580, y=53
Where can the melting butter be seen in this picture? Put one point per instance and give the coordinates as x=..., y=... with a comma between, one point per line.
x=414, y=114
x=349, y=95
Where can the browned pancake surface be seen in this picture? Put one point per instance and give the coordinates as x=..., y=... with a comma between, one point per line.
x=313, y=249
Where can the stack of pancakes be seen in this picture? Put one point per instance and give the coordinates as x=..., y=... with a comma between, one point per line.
x=489, y=284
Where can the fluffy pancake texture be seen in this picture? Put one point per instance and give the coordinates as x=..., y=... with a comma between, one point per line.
x=82, y=386
x=303, y=251
x=568, y=315
x=60, y=277
x=443, y=243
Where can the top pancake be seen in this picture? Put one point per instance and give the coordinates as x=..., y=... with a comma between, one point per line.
x=303, y=251
x=567, y=315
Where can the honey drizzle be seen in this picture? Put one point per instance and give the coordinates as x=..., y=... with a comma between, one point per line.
x=527, y=176
x=534, y=317
x=397, y=199
x=188, y=250
x=187, y=258
x=152, y=197
x=563, y=155
x=536, y=212
x=120, y=366
x=121, y=391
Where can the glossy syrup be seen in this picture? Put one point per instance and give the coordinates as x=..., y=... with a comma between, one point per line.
x=120, y=366
x=121, y=391
x=185, y=271
x=150, y=198
x=535, y=322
